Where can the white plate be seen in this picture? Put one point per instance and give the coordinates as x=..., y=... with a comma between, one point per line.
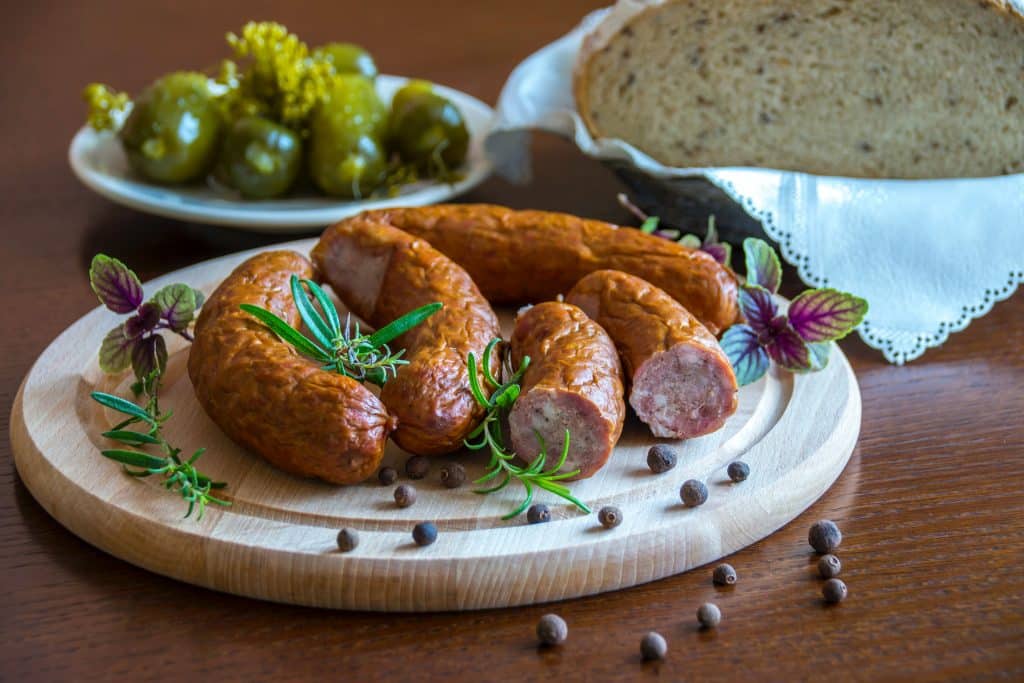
x=99, y=162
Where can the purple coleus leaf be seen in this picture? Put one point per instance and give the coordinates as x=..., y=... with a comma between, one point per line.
x=149, y=354
x=720, y=252
x=116, y=350
x=785, y=346
x=820, y=315
x=116, y=285
x=177, y=305
x=143, y=321
x=748, y=358
x=763, y=267
x=758, y=307
x=819, y=353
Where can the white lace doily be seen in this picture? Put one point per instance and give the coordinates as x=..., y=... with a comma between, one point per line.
x=928, y=255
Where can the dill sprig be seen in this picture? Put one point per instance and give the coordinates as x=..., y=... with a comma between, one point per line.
x=489, y=435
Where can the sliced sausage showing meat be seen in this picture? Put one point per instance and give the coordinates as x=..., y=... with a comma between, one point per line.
x=574, y=382
x=682, y=382
x=271, y=400
x=382, y=273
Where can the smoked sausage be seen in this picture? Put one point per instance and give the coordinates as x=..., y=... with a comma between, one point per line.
x=573, y=381
x=381, y=273
x=522, y=257
x=682, y=382
x=266, y=397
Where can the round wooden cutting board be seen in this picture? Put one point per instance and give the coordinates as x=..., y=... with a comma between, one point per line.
x=277, y=541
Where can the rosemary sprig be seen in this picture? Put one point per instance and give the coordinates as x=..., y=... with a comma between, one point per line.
x=346, y=350
x=179, y=475
x=489, y=435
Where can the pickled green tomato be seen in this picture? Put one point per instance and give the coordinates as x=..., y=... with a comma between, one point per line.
x=346, y=157
x=427, y=130
x=347, y=58
x=172, y=134
x=260, y=159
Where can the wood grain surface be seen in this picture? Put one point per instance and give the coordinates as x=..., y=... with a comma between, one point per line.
x=931, y=505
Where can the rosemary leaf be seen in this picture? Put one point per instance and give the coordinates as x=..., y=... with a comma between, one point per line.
x=327, y=306
x=130, y=437
x=400, y=326
x=286, y=332
x=122, y=405
x=307, y=311
x=135, y=458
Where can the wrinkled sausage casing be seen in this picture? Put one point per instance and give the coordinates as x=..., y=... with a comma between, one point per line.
x=574, y=382
x=381, y=273
x=682, y=382
x=522, y=257
x=271, y=400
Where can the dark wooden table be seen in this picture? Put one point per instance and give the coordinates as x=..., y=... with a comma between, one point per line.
x=931, y=504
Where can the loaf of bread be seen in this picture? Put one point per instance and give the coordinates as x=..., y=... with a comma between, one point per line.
x=860, y=88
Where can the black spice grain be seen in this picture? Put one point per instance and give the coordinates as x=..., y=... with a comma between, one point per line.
x=738, y=471
x=347, y=540
x=424, y=533
x=552, y=630
x=453, y=475
x=405, y=495
x=824, y=536
x=833, y=590
x=417, y=466
x=709, y=615
x=724, y=575
x=609, y=516
x=538, y=514
x=653, y=646
x=693, y=493
x=661, y=458
x=387, y=476
x=829, y=566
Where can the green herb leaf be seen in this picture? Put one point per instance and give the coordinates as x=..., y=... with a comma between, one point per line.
x=327, y=306
x=397, y=328
x=130, y=437
x=649, y=225
x=819, y=352
x=286, y=332
x=310, y=316
x=135, y=458
x=116, y=351
x=177, y=304
x=122, y=406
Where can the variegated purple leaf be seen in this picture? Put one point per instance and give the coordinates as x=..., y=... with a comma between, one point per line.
x=720, y=252
x=116, y=285
x=690, y=240
x=749, y=360
x=116, y=350
x=763, y=267
x=758, y=308
x=200, y=298
x=786, y=348
x=149, y=354
x=826, y=314
x=143, y=321
x=177, y=305
x=819, y=354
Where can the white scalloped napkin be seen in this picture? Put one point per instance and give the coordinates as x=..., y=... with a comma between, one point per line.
x=928, y=255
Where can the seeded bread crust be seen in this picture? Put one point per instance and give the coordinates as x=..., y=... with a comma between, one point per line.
x=857, y=88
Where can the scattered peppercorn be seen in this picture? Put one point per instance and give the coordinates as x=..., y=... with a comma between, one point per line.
x=693, y=493
x=653, y=646
x=424, y=533
x=829, y=566
x=417, y=466
x=709, y=615
x=405, y=495
x=387, y=476
x=724, y=575
x=453, y=475
x=552, y=629
x=738, y=471
x=834, y=590
x=661, y=458
x=347, y=540
x=609, y=516
x=824, y=536
x=538, y=514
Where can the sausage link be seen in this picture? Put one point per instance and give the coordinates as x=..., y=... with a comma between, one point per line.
x=574, y=382
x=682, y=382
x=266, y=397
x=520, y=257
x=381, y=273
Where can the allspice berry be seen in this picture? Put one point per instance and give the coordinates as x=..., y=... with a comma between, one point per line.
x=405, y=495
x=833, y=590
x=738, y=471
x=829, y=566
x=824, y=536
x=424, y=533
x=693, y=493
x=348, y=539
x=709, y=615
x=609, y=516
x=453, y=475
x=653, y=646
x=387, y=476
x=552, y=630
x=538, y=514
x=417, y=466
x=661, y=458
x=724, y=575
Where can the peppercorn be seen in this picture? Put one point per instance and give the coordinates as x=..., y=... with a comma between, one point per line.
x=424, y=533
x=661, y=458
x=552, y=630
x=824, y=536
x=834, y=591
x=738, y=471
x=609, y=516
x=653, y=646
x=387, y=475
x=347, y=540
x=417, y=466
x=405, y=495
x=453, y=475
x=538, y=514
x=829, y=566
x=709, y=615
x=724, y=575
x=693, y=493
